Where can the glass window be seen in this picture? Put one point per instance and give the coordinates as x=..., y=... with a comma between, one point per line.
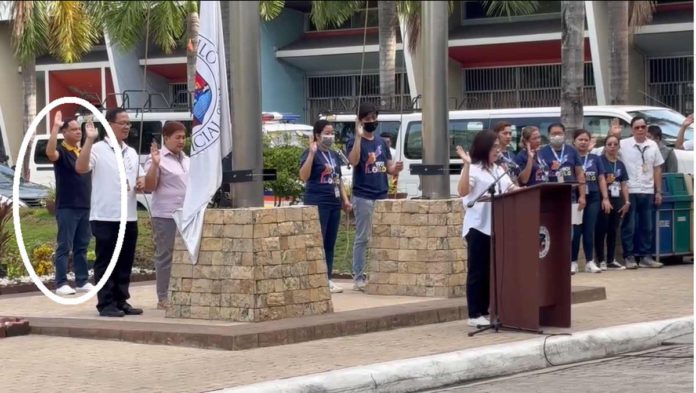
x=461, y=133
x=599, y=127
x=151, y=130
x=668, y=120
x=345, y=130
x=40, y=157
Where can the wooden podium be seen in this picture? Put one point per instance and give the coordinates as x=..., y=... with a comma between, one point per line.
x=532, y=237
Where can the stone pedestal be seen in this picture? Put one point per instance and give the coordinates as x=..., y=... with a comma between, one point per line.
x=417, y=249
x=254, y=265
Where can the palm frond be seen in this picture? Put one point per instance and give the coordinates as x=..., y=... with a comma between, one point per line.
x=640, y=13
x=73, y=31
x=333, y=13
x=125, y=22
x=270, y=9
x=167, y=24
x=29, y=29
x=509, y=8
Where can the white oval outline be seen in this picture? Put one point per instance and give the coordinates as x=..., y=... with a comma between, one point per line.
x=15, y=200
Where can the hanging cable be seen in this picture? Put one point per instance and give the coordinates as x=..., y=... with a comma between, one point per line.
x=142, y=109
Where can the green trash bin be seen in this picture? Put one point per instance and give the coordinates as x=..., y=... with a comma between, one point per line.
x=681, y=223
x=674, y=184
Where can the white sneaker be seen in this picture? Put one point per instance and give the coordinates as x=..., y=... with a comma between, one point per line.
x=591, y=267
x=65, y=290
x=603, y=265
x=616, y=266
x=85, y=288
x=359, y=285
x=333, y=288
x=573, y=268
x=480, y=321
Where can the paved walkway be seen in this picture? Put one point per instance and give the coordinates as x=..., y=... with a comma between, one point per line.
x=38, y=363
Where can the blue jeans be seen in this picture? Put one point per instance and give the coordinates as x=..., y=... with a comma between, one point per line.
x=586, y=230
x=637, y=226
x=363, y=209
x=329, y=219
x=73, y=235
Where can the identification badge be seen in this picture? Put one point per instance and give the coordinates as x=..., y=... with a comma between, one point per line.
x=645, y=168
x=559, y=176
x=614, y=190
x=337, y=192
x=587, y=189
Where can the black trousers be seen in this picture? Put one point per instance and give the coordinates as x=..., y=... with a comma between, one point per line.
x=115, y=291
x=478, y=278
x=607, y=227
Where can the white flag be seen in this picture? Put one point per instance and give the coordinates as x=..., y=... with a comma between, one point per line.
x=211, y=137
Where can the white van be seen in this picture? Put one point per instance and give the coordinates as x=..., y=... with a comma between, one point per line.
x=463, y=125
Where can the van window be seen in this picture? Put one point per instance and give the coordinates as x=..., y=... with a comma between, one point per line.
x=40, y=157
x=461, y=133
x=151, y=130
x=345, y=130
x=599, y=127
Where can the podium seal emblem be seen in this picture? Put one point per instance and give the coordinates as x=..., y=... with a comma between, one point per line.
x=544, y=242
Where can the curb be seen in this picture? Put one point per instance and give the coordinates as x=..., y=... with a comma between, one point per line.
x=430, y=372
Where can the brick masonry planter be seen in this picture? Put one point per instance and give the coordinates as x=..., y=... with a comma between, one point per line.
x=416, y=249
x=30, y=287
x=254, y=265
x=10, y=327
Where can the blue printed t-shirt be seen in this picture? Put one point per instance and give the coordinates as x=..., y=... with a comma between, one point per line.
x=320, y=188
x=615, y=172
x=370, y=180
x=593, y=167
x=537, y=175
x=561, y=162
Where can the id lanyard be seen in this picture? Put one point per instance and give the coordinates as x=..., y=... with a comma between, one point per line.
x=334, y=175
x=126, y=164
x=642, y=155
x=562, y=159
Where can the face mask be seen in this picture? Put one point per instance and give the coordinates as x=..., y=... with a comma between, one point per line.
x=370, y=127
x=327, y=140
x=557, y=140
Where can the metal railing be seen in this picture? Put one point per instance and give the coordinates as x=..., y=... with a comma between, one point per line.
x=670, y=82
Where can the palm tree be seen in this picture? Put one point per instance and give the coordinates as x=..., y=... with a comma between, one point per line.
x=387, y=53
x=192, y=29
x=572, y=67
x=624, y=17
x=64, y=29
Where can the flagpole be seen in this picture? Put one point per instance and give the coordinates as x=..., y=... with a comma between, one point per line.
x=245, y=77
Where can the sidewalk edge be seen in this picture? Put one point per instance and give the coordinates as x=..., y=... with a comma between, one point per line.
x=430, y=372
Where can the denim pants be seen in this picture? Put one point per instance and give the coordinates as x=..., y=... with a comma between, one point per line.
x=586, y=230
x=363, y=209
x=164, y=233
x=637, y=226
x=73, y=235
x=329, y=219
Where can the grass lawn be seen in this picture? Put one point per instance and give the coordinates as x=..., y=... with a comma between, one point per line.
x=39, y=227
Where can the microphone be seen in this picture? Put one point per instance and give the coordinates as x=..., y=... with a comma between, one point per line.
x=342, y=156
x=509, y=162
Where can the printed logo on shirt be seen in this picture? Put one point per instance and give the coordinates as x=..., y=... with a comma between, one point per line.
x=372, y=165
x=564, y=171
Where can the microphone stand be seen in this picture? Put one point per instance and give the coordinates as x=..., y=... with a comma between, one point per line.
x=495, y=323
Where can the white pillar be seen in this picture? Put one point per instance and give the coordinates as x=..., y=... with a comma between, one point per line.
x=598, y=32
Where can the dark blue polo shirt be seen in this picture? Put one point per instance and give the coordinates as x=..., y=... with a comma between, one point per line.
x=73, y=190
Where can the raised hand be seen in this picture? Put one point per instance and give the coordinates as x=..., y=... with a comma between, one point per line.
x=91, y=131
x=463, y=155
x=593, y=143
x=57, y=122
x=530, y=152
x=358, y=129
x=155, y=153
x=313, y=147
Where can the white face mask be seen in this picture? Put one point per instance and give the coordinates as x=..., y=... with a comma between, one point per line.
x=557, y=140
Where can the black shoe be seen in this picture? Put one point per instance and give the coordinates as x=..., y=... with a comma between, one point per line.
x=111, y=311
x=130, y=310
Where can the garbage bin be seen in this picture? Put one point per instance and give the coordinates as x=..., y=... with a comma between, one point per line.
x=673, y=230
x=674, y=184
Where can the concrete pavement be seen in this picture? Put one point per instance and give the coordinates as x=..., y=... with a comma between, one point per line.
x=63, y=364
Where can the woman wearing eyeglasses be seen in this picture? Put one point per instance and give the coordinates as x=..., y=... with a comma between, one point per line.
x=608, y=222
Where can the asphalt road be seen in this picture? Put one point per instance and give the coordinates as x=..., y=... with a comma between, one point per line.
x=667, y=369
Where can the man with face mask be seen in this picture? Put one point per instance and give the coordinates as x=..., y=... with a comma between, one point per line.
x=564, y=166
x=371, y=160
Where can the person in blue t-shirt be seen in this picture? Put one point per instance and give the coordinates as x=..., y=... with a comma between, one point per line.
x=608, y=222
x=564, y=166
x=371, y=161
x=597, y=198
x=320, y=169
x=532, y=169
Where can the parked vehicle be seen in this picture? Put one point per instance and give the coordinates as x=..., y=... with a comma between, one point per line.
x=30, y=194
x=463, y=125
